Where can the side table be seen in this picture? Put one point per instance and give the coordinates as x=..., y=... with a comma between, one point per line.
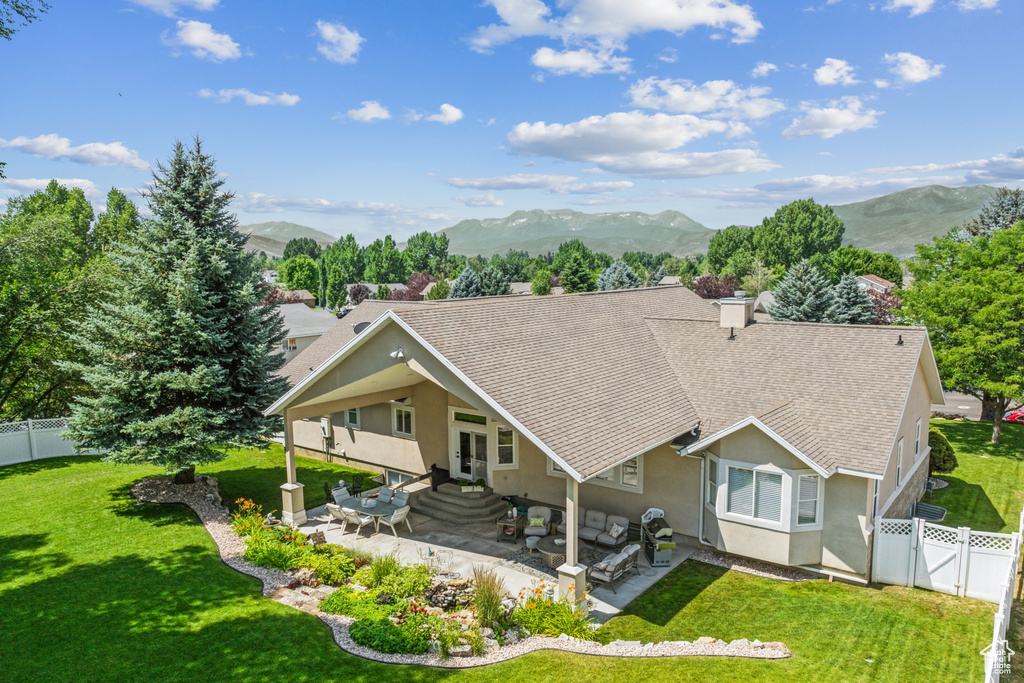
x=510, y=529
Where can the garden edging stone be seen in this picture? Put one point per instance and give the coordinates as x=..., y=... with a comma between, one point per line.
x=203, y=498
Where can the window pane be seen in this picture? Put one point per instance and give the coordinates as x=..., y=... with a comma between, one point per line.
x=768, y=497
x=353, y=416
x=403, y=421
x=631, y=473
x=807, y=508
x=608, y=476
x=741, y=491
x=504, y=436
x=506, y=456
x=712, y=482
x=466, y=417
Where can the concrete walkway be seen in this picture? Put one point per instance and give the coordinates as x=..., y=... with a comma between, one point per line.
x=474, y=544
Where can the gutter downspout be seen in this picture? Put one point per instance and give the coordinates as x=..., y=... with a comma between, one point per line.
x=700, y=514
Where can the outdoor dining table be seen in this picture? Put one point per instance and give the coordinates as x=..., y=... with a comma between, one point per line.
x=378, y=511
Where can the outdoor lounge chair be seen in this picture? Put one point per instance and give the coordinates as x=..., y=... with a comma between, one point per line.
x=581, y=517
x=397, y=517
x=606, y=538
x=347, y=516
x=615, y=567
x=538, y=511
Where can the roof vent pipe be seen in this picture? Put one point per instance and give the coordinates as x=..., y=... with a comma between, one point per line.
x=899, y=342
x=732, y=333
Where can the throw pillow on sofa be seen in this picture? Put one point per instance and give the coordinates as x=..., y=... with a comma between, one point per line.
x=616, y=530
x=536, y=521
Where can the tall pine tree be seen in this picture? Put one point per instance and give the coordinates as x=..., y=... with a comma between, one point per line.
x=466, y=285
x=804, y=295
x=575, y=275
x=853, y=306
x=618, y=276
x=493, y=282
x=181, y=359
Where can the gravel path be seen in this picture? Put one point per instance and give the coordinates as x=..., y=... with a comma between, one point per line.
x=748, y=566
x=204, y=499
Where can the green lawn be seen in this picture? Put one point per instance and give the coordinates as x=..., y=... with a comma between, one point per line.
x=986, y=490
x=94, y=587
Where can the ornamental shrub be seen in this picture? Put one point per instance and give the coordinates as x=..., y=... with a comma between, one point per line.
x=488, y=591
x=333, y=570
x=541, y=615
x=943, y=457
x=358, y=604
x=384, y=636
x=265, y=550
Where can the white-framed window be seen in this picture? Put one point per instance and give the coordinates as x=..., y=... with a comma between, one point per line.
x=712, y=493
x=917, y=439
x=403, y=421
x=628, y=476
x=755, y=493
x=352, y=418
x=874, y=502
x=506, y=444
x=807, y=492
x=394, y=477
x=899, y=462
x=290, y=344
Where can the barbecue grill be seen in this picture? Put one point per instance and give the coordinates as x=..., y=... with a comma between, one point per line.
x=658, y=545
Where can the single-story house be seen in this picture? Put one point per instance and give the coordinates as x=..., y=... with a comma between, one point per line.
x=875, y=283
x=302, y=296
x=303, y=326
x=741, y=430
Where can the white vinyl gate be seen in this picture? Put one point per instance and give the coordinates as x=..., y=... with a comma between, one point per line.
x=33, y=440
x=913, y=552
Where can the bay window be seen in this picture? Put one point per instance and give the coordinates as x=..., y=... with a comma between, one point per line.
x=764, y=495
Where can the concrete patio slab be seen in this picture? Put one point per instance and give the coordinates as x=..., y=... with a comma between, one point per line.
x=473, y=544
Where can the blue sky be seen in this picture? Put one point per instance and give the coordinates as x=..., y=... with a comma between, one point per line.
x=377, y=117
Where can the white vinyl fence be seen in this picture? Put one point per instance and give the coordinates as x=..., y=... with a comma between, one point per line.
x=975, y=564
x=33, y=440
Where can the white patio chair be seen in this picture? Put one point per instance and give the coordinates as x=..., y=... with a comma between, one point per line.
x=397, y=517
x=385, y=495
x=400, y=499
x=652, y=513
x=347, y=516
x=443, y=561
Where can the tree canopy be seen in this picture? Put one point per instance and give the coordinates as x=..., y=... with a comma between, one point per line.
x=1003, y=210
x=300, y=272
x=575, y=275
x=494, y=282
x=970, y=295
x=17, y=13
x=301, y=245
x=618, y=276
x=181, y=358
x=384, y=262
x=797, y=231
x=466, y=285
x=803, y=295
x=852, y=304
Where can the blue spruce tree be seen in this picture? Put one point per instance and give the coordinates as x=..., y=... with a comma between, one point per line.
x=493, y=282
x=618, y=276
x=466, y=285
x=803, y=295
x=181, y=359
x=853, y=306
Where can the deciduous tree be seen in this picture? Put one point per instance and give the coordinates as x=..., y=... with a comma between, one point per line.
x=797, y=231
x=302, y=245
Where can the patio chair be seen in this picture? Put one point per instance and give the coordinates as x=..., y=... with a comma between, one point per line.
x=581, y=517
x=327, y=492
x=615, y=567
x=614, y=523
x=347, y=516
x=340, y=494
x=538, y=512
x=652, y=513
x=397, y=517
x=385, y=495
x=400, y=499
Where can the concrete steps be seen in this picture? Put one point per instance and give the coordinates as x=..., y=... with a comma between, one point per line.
x=450, y=504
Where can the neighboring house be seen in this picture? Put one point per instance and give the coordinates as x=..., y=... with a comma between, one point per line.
x=669, y=280
x=269, y=276
x=392, y=287
x=875, y=283
x=299, y=295
x=303, y=326
x=741, y=431
x=764, y=301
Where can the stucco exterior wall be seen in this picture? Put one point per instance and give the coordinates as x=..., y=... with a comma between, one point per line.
x=844, y=540
x=300, y=345
x=752, y=445
x=919, y=406
x=911, y=492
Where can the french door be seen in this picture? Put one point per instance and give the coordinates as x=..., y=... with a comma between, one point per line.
x=472, y=454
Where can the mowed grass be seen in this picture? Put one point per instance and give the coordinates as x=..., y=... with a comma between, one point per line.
x=986, y=490
x=95, y=587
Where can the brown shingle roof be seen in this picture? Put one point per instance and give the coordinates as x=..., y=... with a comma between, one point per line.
x=818, y=370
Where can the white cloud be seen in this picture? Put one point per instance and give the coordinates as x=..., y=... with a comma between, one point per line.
x=27, y=185
x=370, y=111
x=52, y=146
x=910, y=68
x=637, y=144
x=487, y=199
x=669, y=55
x=1001, y=168
x=607, y=22
x=604, y=187
x=763, y=69
x=835, y=72
x=581, y=62
x=715, y=98
x=392, y=214
x=204, y=42
x=169, y=8
x=882, y=83
x=447, y=115
x=841, y=116
x=340, y=44
x=916, y=6
x=252, y=99
x=518, y=181
x=968, y=5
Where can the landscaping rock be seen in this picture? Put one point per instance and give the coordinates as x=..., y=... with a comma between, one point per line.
x=625, y=643
x=490, y=646
x=487, y=632
x=461, y=651
x=706, y=640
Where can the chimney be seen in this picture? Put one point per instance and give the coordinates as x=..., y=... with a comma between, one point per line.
x=737, y=310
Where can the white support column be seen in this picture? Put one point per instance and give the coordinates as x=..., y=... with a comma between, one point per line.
x=293, y=505
x=572, y=576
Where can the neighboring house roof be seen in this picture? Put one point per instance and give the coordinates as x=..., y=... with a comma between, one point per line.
x=599, y=377
x=521, y=287
x=302, y=321
x=763, y=302
x=300, y=293
x=876, y=280
x=392, y=286
x=669, y=280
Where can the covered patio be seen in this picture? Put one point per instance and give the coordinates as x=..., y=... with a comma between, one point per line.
x=476, y=544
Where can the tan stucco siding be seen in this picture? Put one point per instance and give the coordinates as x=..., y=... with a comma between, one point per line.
x=752, y=445
x=918, y=407
x=844, y=541
x=301, y=343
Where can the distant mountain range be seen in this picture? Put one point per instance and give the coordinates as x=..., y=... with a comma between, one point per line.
x=271, y=238
x=894, y=223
